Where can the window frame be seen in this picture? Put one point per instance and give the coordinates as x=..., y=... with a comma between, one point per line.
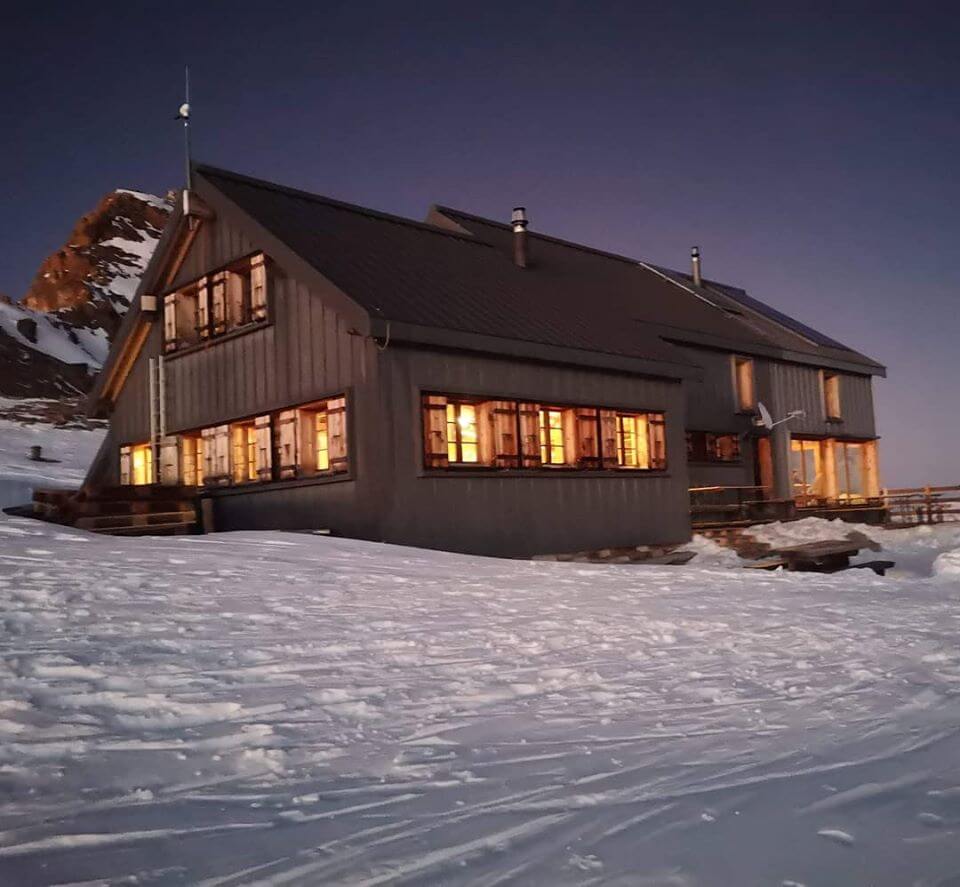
x=831, y=395
x=704, y=450
x=744, y=405
x=214, y=306
x=576, y=419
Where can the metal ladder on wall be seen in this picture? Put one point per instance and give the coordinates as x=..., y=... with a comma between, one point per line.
x=157, y=382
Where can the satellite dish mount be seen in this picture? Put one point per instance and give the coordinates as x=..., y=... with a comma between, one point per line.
x=765, y=420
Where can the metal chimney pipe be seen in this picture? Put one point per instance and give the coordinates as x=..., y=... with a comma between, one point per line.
x=695, y=262
x=520, y=248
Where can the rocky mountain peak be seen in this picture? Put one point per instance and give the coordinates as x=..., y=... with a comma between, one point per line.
x=90, y=281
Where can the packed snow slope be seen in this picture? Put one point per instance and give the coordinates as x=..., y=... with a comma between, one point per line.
x=72, y=448
x=268, y=708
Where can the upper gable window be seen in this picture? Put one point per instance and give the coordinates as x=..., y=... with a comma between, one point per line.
x=744, y=386
x=831, y=395
x=216, y=304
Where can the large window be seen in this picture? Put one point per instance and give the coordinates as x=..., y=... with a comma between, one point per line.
x=707, y=446
x=465, y=432
x=743, y=384
x=806, y=469
x=831, y=469
x=228, y=299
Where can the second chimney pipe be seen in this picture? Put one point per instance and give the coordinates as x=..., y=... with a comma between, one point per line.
x=518, y=221
x=695, y=262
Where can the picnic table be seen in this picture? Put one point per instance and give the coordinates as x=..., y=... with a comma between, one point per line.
x=829, y=556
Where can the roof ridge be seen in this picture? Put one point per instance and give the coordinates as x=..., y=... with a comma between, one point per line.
x=215, y=171
x=547, y=237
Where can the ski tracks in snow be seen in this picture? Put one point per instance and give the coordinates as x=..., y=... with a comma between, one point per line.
x=283, y=709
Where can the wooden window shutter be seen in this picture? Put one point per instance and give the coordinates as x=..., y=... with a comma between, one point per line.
x=608, y=438
x=287, y=441
x=529, y=435
x=657, y=437
x=219, y=302
x=258, y=287
x=435, y=431
x=588, y=430
x=208, y=470
x=570, y=452
x=170, y=322
x=264, y=448
x=337, y=430
x=203, y=307
x=169, y=461
x=124, y=466
x=504, y=434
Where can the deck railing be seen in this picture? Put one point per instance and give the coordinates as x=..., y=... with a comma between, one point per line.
x=910, y=506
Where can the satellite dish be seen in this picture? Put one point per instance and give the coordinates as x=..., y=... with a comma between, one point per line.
x=766, y=420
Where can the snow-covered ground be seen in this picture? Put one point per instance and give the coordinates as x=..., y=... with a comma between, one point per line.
x=278, y=708
x=74, y=448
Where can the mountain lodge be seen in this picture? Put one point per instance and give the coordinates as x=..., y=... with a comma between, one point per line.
x=295, y=362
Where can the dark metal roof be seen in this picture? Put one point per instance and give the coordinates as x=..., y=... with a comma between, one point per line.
x=421, y=275
x=455, y=273
x=713, y=314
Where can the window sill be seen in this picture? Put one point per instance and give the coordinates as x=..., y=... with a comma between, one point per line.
x=265, y=486
x=732, y=463
x=209, y=342
x=457, y=471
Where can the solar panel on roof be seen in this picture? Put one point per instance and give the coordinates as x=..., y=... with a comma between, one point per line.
x=783, y=319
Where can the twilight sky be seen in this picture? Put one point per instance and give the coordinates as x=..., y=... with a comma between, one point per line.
x=811, y=153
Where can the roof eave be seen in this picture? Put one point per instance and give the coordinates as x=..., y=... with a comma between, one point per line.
x=398, y=331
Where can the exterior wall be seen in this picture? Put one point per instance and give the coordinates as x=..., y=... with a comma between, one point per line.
x=782, y=387
x=522, y=513
x=303, y=353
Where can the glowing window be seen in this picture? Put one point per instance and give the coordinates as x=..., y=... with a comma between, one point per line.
x=462, y=433
x=552, y=450
x=744, y=384
x=244, y=452
x=322, y=440
x=632, y=444
x=831, y=395
x=141, y=464
x=806, y=469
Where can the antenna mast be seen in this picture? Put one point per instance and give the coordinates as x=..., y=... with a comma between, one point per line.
x=184, y=115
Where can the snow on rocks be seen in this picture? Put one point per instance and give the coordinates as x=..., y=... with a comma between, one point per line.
x=283, y=708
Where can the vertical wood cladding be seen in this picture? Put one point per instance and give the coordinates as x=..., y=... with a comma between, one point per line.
x=782, y=387
x=512, y=513
x=796, y=387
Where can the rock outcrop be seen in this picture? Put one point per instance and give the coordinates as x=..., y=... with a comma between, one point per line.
x=54, y=341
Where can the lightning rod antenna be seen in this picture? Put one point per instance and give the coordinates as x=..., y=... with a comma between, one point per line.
x=185, y=116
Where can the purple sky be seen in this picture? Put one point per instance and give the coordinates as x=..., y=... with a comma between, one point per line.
x=811, y=154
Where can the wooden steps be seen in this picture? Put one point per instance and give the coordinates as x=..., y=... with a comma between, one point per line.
x=122, y=511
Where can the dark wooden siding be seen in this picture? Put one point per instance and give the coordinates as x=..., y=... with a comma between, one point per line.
x=521, y=514
x=796, y=387
x=305, y=352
